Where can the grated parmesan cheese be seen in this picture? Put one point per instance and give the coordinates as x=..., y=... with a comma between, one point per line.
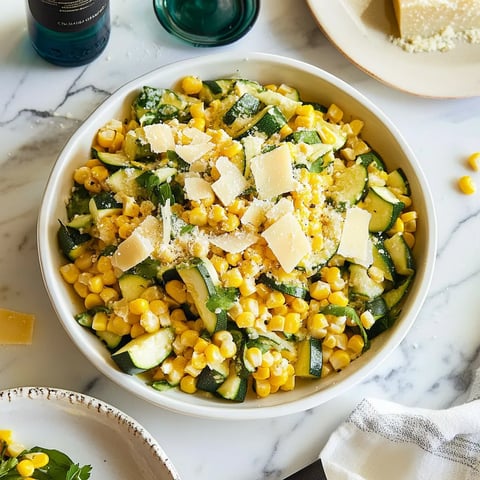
x=436, y=25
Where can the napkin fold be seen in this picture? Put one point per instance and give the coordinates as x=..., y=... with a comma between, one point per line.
x=382, y=440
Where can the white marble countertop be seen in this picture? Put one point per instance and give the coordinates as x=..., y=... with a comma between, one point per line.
x=40, y=107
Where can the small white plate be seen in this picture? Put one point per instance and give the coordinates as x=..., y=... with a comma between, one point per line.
x=88, y=430
x=361, y=30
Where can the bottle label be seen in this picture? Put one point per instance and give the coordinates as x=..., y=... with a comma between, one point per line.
x=67, y=15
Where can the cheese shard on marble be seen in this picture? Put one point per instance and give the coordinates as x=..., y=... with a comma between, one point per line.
x=287, y=241
x=160, y=137
x=197, y=188
x=231, y=182
x=139, y=245
x=355, y=239
x=427, y=18
x=235, y=242
x=16, y=328
x=273, y=173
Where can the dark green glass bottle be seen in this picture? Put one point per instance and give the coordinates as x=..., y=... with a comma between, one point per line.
x=68, y=32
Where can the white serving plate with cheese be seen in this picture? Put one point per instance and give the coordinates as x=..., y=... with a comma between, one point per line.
x=361, y=30
x=314, y=84
x=88, y=430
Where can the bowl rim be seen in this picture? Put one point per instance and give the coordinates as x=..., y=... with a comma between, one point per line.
x=232, y=411
x=66, y=400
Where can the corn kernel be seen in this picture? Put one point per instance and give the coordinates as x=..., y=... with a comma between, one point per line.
x=191, y=85
x=138, y=306
x=228, y=349
x=95, y=284
x=232, y=278
x=473, y=160
x=39, y=459
x=262, y=388
x=367, y=319
x=245, y=320
x=409, y=239
x=356, y=343
x=334, y=113
x=198, y=216
x=276, y=323
x=339, y=359
x=188, y=384
x=99, y=322
x=356, y=126
x=467, y=185
x=275, y=299
x=212, y=354
x=149, y=321
x=299, y=305
x=69, y=273
x=338, y=298
x=320, y=290
x=261, y=373
x=92, y=300
x=177, y=290
x=254, y=356
x=136, y=330
x=25, y=468
x=293, y=322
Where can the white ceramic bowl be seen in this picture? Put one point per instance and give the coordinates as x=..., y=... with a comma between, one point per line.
x=314, y=84
x=89, y=431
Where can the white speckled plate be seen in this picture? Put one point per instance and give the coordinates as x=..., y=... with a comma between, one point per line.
x=88, y=430
x=361, y=30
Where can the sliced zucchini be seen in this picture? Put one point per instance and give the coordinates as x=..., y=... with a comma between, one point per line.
x=80, y=222
x=377, y=307
x=201, y=281
x=123, y=180
x=136, y=146
x=309, y=358
x=310, y=137
x=213, y=89
x=384, y=207
x=132, y=286
x=349, y=186
x=110, y=339
x=156, y=105
x=235, y=385
x=372, y=158
x=382, y=259
x=210, y=378
x=394, y=296
x=398, y=180
x=72, y=242
x=104, y=204
x=145, y=352
x=298, y=290
x=267, y=122
x=118, y=160
x=400, y=254
x=360, y=283
x=246, y=107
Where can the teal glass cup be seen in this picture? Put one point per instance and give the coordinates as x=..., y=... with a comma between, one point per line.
x=207, y=23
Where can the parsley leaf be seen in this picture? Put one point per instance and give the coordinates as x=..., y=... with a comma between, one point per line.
x=223, y=299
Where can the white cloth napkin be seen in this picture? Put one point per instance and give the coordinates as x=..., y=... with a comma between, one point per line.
x=382, y=440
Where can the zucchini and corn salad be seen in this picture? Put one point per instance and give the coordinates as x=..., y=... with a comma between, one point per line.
x=230, y=237
x=19, y=463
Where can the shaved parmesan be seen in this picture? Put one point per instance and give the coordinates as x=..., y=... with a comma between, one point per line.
x=16, y=328
x=254, y=215
x=273, y=173
x=282, y=207
x=287, y=241
x=231, y=182
x=160, y=137
x=196, y=136
x=197, y=188
x=234, y=242
x=138, y=246
x=194, y=151
x=354, y=241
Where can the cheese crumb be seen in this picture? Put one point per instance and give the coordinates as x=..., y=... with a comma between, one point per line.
x=16, y=328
